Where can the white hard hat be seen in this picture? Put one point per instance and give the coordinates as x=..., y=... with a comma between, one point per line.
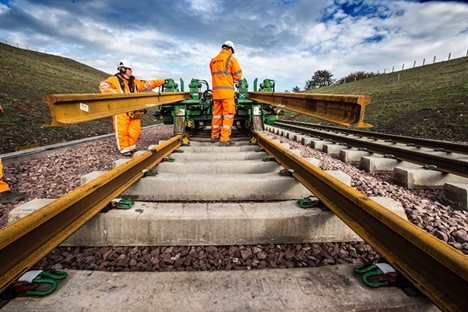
x=124, y=64
x=229, y=44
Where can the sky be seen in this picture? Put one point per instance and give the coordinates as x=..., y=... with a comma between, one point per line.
x=284, y=40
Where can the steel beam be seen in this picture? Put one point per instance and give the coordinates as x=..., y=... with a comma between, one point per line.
x=28, y=240
x=69, y=109
x=437, y=269
x=344, y=110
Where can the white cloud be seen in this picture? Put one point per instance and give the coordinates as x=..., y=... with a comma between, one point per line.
x=282, y=40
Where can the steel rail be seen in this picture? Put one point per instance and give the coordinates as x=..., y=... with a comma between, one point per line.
x=449, y=147
x=438, y=270
x=443, y=164
x=68, y=109
x=28, y=240
x=344, y=110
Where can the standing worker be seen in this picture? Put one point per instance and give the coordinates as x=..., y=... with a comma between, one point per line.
x=6, y=195
x=225, y=70
x=127, y=126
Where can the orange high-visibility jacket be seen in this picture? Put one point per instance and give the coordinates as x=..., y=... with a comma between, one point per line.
x=112, y=84
x=3, y=185
x=127, y=128
x=224, y=71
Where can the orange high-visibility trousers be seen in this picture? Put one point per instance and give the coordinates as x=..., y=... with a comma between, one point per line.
x=127, y=132
x=224, y=111
x=3, y=186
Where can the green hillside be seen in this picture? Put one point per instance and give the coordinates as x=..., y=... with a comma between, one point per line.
x=429, y=101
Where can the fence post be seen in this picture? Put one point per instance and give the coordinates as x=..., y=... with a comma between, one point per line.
x=403, y=67
x=449, y=56
x=414, y=64
x=424, y=61
x=393, y=68
x=398, y=78
x=434, y=59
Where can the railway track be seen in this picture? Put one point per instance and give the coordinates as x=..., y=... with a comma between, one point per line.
x=404, y=245
x=446, y=157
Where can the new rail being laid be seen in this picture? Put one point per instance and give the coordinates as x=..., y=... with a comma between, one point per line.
x=69, y=109
x=344, y=110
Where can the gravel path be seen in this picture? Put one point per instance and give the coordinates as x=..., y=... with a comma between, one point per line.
x=57, y=174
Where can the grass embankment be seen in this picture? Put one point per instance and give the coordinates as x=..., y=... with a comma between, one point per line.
x=430, y=101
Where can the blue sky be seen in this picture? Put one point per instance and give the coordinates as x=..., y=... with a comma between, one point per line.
x=284, y=40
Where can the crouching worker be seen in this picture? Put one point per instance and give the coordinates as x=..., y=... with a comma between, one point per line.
x=127, y=126
x=6, y=195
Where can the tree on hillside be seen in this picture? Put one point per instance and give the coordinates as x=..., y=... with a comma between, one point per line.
x=321, y=78
x=356, y=76
x=296, y=89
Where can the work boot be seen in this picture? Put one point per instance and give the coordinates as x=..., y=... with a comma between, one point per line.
x=127, y=154
x=9, y=197
x=227, y=143
x=214, y=140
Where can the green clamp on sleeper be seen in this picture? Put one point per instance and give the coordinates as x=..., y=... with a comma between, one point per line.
x=286, y=172
x=377, y=269
x=430, y=167
x=309, y=202
x=41, y=277
x=149, y=173
x=120, y=203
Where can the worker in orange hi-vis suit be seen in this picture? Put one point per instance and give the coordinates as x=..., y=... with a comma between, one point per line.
x=127, y=126
x=225, y=70
x=6, y=195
